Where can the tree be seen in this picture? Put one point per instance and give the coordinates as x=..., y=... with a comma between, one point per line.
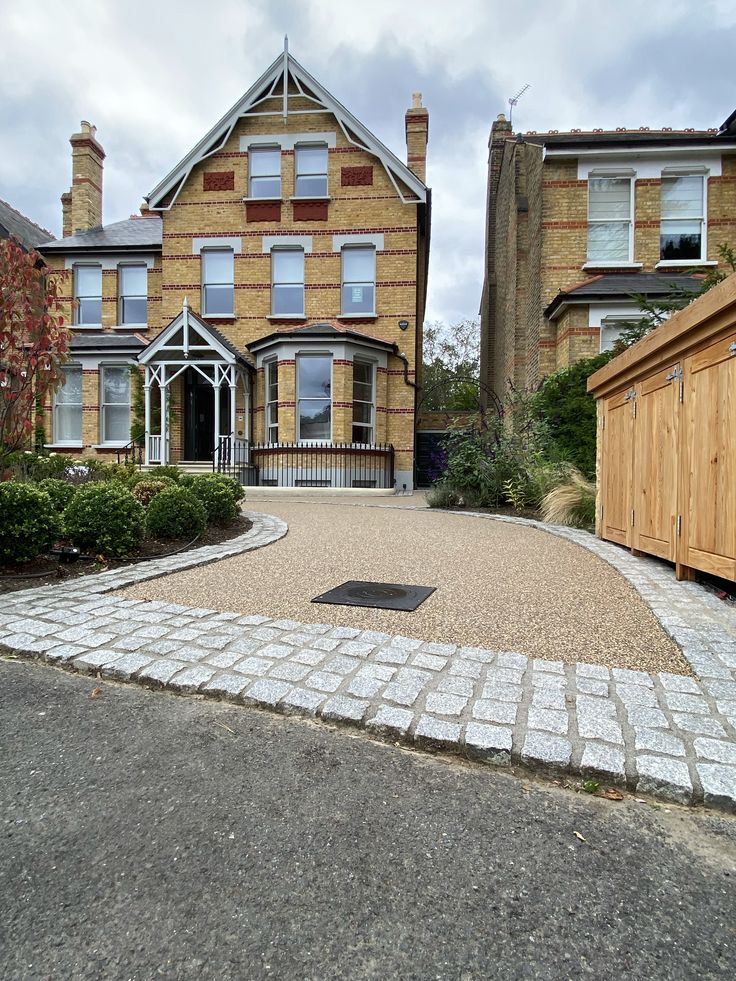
x=451, y=366
x=33, y=342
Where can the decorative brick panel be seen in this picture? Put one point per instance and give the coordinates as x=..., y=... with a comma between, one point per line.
x=311, y=210
x=263, y=211
x=218, y=180
x=356, y=176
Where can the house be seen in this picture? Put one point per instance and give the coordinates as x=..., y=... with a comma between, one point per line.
x=26, y=232
x=271, y=294
x=577, y=222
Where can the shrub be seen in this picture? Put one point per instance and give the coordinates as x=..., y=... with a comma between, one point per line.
x=106, y=518
x=166, y=470
x=442, y=496
x=29, y=523
x=60, y=491
x=145, y=490
x=217, y=494
x=176, y=513
x=572, y=503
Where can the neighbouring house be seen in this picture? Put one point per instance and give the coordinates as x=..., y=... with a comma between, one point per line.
x=26, y=232
x=270, y=296
x=579, y=221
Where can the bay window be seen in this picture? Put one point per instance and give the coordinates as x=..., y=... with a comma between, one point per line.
x=88, y=296
x=363, y=401
x=218, y=275
x=287, y=282
x=115, y=404
x=314, y=389
x=609, y=219
x=68, y=407
x=681, y=237
x=132, y=294
x=272, y=401
x=358, y=280
x=264, y=167
x=311, y=171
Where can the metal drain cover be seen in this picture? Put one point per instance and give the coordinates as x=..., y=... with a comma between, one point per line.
x=380, y=595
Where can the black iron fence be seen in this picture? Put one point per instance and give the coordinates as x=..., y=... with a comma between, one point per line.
x=133, y=452
x=308, y=465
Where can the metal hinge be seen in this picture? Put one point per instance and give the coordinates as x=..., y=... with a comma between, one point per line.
x=732, y=348
x=675, y=373
x=631, y=394
x=679, y=525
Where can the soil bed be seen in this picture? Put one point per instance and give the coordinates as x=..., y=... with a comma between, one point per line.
x=46, y=570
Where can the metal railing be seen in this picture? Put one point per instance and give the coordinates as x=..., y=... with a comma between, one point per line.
x=132, y=452
x=322, y=465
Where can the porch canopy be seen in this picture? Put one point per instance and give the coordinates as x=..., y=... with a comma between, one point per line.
x=190, y=345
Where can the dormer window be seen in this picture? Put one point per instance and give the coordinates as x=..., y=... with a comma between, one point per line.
x=610, y=224
x=88, y=295
x=681, y=236
x=264, y=165
x=311, y=171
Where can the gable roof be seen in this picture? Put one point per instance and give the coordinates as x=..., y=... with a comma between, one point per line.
x=318, y=330
x=27, y=232
x=129, y=235
x=286, y=69
x=207, y=332
x=622, y=286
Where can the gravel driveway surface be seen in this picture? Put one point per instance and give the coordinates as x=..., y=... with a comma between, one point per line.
x=500, y=586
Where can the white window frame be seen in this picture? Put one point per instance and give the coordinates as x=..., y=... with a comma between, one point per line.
x=612, y=263
x=274, y=284
x=365, y=248
x=102, y=369
x=300, y=356
x=272, y=425
x=672, y=175
x=121, y=296
x=372, y=403
x=67, y=442
x=297, y=175
x=77, y=307
x=260, y=148
x=204, y=284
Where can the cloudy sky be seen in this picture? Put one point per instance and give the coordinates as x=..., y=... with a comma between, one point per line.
x=154, y=75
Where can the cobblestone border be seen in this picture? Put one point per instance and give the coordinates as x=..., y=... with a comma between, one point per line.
x=666, y=735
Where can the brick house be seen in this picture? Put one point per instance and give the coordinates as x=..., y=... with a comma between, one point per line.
x=15, y=225
x=271, y=293
x=578, y=222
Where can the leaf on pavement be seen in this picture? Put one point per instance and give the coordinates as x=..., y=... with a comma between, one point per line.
x=95, y=693
x=612, y=794
x=580, y=837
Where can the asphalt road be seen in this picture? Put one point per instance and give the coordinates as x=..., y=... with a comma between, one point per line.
x=145, y=836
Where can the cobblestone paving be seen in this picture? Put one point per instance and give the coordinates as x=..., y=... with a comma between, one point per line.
x=667, y=735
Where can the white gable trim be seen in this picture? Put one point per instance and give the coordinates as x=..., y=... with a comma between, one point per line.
x=190, y=324
x=285, y=67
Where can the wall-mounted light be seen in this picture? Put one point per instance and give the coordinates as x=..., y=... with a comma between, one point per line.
x=403, y=325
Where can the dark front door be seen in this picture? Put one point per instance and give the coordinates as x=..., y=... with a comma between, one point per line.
x=199, y=431
x=429, y=457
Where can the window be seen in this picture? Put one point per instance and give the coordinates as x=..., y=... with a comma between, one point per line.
x=265, y=171
x=609, y=219
x=681, y=232
x=362, y=402
x=68, y=407
x=217, y=278
x=287, y=277
x=314, y=383
x=133, y=294
x=272, y=402
x=358, y=280
x=115, y=406
x=311, y=172
x=88, y=294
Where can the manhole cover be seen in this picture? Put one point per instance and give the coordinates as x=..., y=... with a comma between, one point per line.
x=381, y=595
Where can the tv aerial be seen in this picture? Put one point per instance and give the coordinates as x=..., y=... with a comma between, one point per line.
x=515, y=98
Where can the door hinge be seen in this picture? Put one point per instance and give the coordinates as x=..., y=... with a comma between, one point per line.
x=633, y=515
x=679, y=525
x=682, y=391
x=732, y=349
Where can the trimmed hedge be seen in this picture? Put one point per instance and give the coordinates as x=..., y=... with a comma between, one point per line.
x=29, y=523
x=145, y=490
x=60, y=491
x=176, y=513
x=219, y=494
x=105, y=518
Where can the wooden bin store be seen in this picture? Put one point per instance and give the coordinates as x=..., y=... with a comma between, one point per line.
x=667, y=440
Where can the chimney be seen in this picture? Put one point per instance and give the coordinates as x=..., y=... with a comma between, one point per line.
x=66, y=213
x=86, y=189
x=416, y=123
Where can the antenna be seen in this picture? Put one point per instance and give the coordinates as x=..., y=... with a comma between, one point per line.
x=515, y=98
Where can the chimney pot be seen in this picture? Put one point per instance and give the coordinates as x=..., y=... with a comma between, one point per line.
x=416, y=100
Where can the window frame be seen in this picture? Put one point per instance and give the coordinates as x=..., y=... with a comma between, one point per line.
x=620, y=176
x=358, y=246
x=674, y=175
x=311, y=146
x=55, y=432
x=77, y=322
x=271, y=404
x=204, y=284
x=299, y=357
x=122, y=266
x=283, y=249
x=102, y=369
x=264, y=148
x=372, y=425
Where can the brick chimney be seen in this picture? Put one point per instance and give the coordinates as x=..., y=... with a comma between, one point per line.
x=84, y=208
x=66, y=213
x=416, y=122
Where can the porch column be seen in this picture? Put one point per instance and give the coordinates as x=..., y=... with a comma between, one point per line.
x=217, y=384
x=247, y=390
x=164, y=420
x=232, y=378
x=147, y=403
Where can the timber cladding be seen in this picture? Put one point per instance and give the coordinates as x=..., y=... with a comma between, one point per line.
x=667, y=449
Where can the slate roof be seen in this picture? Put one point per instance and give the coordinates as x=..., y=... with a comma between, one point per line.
x=592, y=139
x=27, y=232
x=93, y=342
x=622, y=286
x=128, y=235
x=320, y=330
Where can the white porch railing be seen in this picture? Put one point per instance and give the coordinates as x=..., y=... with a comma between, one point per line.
x=155, y=448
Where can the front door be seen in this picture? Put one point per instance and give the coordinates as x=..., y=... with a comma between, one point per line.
x=199, y=431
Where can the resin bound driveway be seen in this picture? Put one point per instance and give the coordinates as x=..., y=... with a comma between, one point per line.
x=542, y=646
